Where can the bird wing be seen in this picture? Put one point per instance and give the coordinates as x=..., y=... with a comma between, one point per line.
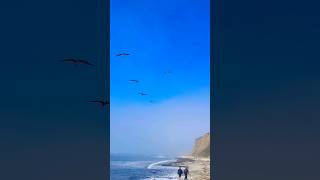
x=97, y=102
x=123, y=54
x=85, y=62
x=69, y=60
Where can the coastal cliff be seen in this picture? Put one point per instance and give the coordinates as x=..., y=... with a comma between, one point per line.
x=202, y=147
x=198, y=161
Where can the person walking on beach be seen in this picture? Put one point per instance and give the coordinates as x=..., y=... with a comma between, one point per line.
x=180, y=172
x=186, y=173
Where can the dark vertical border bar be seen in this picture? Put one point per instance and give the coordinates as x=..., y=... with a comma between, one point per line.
x=212, y=132
x=265, y=89
x=212, y=90
x=48, y=130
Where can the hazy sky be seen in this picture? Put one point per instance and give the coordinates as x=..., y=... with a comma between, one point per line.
x=160, y=36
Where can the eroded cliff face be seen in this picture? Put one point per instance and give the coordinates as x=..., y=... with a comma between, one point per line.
x=202, y=146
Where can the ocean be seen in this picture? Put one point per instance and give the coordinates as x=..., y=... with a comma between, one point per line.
x=139, y=167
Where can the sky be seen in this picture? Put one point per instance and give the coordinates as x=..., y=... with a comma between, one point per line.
x=160, y=36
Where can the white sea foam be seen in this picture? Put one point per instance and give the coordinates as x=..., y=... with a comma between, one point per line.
x=153, y=170
x=157, y=165
x=164, y=178
x=129, y=164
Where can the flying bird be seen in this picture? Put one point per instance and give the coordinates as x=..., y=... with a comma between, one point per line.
x=134, y=80
x=142, y=94
x=168, y=72
x=69, y=60
x=122, y=54
x=102, y=103
x=81, y=61
x=78, y=61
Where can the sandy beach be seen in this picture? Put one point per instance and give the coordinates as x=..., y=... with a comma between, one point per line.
x=199, y=168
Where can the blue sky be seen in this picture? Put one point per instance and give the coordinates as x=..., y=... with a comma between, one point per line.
x=160, y=36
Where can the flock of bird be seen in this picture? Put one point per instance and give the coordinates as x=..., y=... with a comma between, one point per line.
x=88, y=63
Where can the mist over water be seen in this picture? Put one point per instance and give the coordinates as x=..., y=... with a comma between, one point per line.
x=169, y=127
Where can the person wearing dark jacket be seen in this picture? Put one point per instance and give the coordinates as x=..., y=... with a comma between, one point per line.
x=186, y=173
x=180, y=172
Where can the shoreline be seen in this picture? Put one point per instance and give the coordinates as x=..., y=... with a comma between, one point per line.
x=199, y=168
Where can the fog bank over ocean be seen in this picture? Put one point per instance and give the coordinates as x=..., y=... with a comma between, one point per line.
x=168, y=127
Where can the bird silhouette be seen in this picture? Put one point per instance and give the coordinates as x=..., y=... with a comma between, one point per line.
x=142, y=94
x=81, y=61
x=168, y=72
x=69, y=60
x=78, y=61
x=102, y=103
x=134, y=81
x=122, y=54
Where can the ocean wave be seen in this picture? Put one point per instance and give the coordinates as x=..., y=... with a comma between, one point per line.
x=129, y=164
x=159, y=164
x=143, y=170
x=161, y=178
